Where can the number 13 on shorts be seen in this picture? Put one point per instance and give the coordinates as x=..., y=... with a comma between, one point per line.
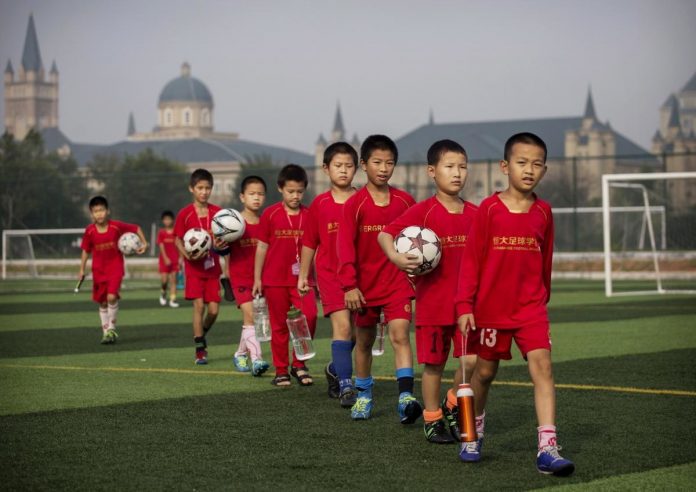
x=489, y=337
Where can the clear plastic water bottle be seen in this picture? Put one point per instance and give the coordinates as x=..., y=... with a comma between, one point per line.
x=262, y=323
x=378, y=347
x=300, y=335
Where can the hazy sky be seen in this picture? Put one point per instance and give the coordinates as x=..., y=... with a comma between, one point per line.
x=277, y=68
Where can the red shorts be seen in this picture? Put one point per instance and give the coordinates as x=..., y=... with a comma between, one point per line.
x=495, y=344
x=171, y=268
x=433, y=343
x=206, y=288
x=369, y=316
x=101, y=289
x=331, y=296
x=242, y=294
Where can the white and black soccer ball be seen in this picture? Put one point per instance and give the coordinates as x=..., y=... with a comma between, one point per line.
x=197, y=242
x=129, y=243
x=421, y=242
x=228, y=225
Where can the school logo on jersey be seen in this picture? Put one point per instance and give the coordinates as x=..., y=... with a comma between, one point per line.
x=407, y=307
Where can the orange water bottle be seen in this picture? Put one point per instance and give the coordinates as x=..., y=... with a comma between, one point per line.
x=467, y=419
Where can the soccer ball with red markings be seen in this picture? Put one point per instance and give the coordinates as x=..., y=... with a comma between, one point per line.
x=228, y=225
x=197, y=242
x=129, y=243
x=421, y=242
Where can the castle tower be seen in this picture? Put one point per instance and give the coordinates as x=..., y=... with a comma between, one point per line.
x=338, y=134
x=31, y=101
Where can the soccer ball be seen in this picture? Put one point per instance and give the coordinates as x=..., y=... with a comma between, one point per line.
x=421, y=242
x=129, y=243
x=197, y=242
x=228, y=225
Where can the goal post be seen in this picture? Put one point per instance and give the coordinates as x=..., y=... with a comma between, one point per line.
x=639, y=194
x=29, y=260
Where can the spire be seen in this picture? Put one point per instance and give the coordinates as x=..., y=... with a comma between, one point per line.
x=657, y=137
x=338, y=128
x=673, y=121
x=356, y=141
x=431, y=118
x=691, y=84
x=8, y=68
x=31, y=57
x=185, y=69
x=131, y=124
x=589, y=106
x=54, y=67
x=321, y=140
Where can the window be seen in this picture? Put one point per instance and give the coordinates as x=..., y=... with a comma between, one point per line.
x=168, y=117
x=187, y=117
x=205, y=117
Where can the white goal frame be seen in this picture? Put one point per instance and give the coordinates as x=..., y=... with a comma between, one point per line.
x=628, y=181
x=28, y=233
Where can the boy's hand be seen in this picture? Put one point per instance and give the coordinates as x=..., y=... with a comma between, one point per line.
x=405, y=262
x=354, y=299
x=82, y=273
x=466, y=322
x=219, y=243
x=167, y=261
x=257, y=288
x=142, y=248
x=302, y=286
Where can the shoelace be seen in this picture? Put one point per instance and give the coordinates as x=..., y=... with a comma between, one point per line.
x=407, y=399
x=553, y=451
x=470, y=447
x=361, y=404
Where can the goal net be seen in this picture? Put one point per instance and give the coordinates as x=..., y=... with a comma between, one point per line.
x=649, y=233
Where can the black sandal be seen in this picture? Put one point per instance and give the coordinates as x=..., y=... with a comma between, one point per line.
x=302, y=375
x=281, y=380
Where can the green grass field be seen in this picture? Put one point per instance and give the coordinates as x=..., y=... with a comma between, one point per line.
x=139, y=415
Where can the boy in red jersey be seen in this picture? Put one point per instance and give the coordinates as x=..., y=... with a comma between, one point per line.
x=504, y=287
x=240, y=263
x=101, y=241
x=168, y=259
x=277, y=266
x=371, y=283
x=450, y=218
x=202, y=274
x=340, y=160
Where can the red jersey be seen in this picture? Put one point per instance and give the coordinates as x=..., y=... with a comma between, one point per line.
x=166, y=242
x=505, y=276
x=361, y=261
x=107, y=259
x=434, y=299
x=282, y=233
x=187, y=218
x=240, y=262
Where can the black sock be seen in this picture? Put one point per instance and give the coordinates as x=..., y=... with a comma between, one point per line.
x=200, y=343
x=164, y=287
x=405, y=384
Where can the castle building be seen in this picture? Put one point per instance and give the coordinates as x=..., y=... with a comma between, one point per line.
x=338, y=134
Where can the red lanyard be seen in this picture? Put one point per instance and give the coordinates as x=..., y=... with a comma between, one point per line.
x=297, y=237
x=207, y=215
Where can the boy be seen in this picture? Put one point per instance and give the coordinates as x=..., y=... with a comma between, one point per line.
x=371, y=284
x=340, y=160
x=450, y=218
x=277, y=266
x=101, y=241
x=505, y=284
x=168, y=259
x=202, y=274
x=240, y=271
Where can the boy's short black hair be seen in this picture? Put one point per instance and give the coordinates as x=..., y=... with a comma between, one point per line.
x=251, y=180
x=292, y=172
x=378, y=142
x=98, y=200
x=525, y=138
x=441, y=147
x=339, y=148
x=167, y=213
x=200, y=175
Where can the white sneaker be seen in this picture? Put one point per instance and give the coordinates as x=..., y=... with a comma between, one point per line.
x=173, y=303
x=163, y=300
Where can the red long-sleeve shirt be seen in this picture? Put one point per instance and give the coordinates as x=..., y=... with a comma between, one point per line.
x=188, y=218
x=505, y=275
x=240, y=263
x=361, y=261
x=321, y=234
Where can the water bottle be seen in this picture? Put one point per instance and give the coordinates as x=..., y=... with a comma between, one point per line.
x=378, y=346
x=262, y=324
x=300, y=335
x=467, y=420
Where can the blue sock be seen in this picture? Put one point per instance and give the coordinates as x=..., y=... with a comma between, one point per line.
x=341, y=353
x=332, y=368
x=364, y=386
x=404, y=378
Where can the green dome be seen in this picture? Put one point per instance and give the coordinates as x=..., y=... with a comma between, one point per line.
x=186, y=88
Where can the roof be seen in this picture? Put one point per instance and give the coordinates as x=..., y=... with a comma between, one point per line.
x=8, y=67
x=54, y=67
x=186, y=88
x=589, y=106
x=31, y=57
x=338, y=121
x=131, y=124
x=691, y=84
x=674, y=115
x=486, y=140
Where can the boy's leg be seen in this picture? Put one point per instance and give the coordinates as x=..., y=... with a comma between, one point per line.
x=436, y=429
x=171, y=279
x=364, y=340
x=278, y=304
x=210, y=316
x=164, y=277
x=408, y=407
x=342, y=355
x=198, y=336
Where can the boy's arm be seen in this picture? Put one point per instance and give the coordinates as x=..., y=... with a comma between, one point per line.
x=306, y=258
x=407, y=263
x=143, y=241
x=469, y=270
x=180, y=246
x=83, y=263
x=259, y=260
x=547, y=256
x=163, y=254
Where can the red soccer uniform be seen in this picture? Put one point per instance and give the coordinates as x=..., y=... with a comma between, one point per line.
x=321, y=235
x=240, y=262
x=187, y=218
x=434, y=290
x=166, y=241
x=505, y=276
x=361, y=261
x=107, y=259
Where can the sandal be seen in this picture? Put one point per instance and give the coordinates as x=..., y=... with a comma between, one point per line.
x=302, y=375
x=281, y=380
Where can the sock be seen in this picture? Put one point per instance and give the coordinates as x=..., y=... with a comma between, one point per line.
x=364, y=386
x=404, y=377
x=341, y=351
x=164, y=288
x=200, y=344
x=251, y=343
x=547, y=436
x=451, y=402
x=112, y=312
x=172, y=297
x=104, y=317
x=242, y=349
x=480, y=423
x=429, y=416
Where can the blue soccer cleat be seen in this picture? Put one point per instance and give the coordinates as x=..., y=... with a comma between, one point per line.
x=241, y=362
x=362, y=408
x=549, y=462
x=470, y=452
x=409, y=409
x=258, y=367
